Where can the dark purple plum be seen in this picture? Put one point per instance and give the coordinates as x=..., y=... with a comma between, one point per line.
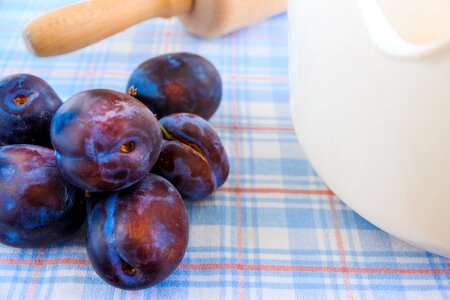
x=177, y=82
x=105, y=140
x=192, y=156
x=137, y=237
x=37, y=206
x=27, y=104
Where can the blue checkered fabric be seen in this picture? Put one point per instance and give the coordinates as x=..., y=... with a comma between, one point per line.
x=273, y=231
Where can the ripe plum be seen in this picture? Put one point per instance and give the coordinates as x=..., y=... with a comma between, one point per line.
x=105, y=140
x=192, y=156
x=37, y=206
x=177, y=82
x=136, y=237
x=27, y=104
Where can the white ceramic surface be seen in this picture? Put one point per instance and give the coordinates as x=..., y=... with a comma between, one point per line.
x=370, y=98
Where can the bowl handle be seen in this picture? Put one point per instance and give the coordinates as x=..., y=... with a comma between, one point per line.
x=389, y=41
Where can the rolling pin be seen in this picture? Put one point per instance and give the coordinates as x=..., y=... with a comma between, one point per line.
x=78, y=25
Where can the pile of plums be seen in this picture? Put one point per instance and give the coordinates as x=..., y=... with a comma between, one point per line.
x=104, y=156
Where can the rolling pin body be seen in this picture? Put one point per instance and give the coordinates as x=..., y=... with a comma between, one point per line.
x=79, y=25
x=212, y=18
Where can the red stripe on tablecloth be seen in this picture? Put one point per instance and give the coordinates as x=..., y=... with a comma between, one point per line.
x=243, y=267
x=275, y=191
x=134, y=295
x=313, y=269
x=86, y=73
x=91, y=70
x=151, y=34
x=340, y=246
x=168, y=34
x=257, y=78
x=237, y=195
x=253, y=128
x=45, y=262
x=34, y=277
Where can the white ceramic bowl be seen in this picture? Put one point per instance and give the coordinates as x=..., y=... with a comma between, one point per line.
x=373, y=117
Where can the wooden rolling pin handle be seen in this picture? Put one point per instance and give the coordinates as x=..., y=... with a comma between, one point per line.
x=79, y=25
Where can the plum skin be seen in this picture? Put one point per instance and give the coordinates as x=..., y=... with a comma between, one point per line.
x=104, y=140
x=137, y=237
x=192, y=157
x=37, y=206
x=27, y=104
x=177, y=82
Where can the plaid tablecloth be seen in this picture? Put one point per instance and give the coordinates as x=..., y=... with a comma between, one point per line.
x=273, y=231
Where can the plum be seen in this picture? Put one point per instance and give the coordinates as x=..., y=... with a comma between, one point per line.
x=27, y=104
x=37, y=206
x=105, y=140
x=137, y=237
x=192, y=156
x=177, y=82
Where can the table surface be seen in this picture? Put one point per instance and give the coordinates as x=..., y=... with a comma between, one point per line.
x=273, y=231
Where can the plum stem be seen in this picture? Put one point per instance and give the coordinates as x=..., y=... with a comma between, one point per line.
x=186, y=144
x=166, y=134
x=132, y=91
